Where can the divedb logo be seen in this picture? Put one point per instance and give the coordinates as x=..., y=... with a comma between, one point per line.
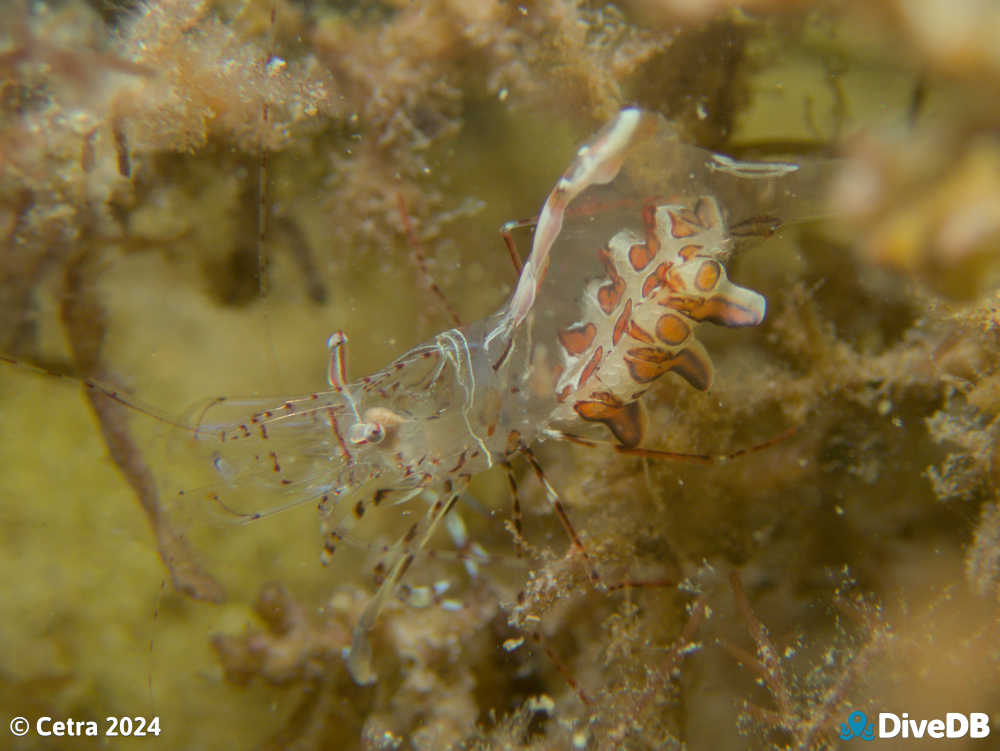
x=954, y=725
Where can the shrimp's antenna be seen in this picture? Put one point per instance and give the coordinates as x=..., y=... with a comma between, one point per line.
x=262, y=208
x=421, y=258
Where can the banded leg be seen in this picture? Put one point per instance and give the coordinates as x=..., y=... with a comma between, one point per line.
x=359, y=659
x=507, y=233
x=517, y=526
x=562, y=667
x=421, y=258
x=469, y=553
x=676, y=456
x=553, y=498
x=337, y=524
x=335, y=529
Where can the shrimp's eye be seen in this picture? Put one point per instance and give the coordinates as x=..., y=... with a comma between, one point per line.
x=366, y=432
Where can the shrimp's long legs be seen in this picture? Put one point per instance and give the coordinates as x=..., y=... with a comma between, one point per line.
x=704, y=459
x=562, y=667
x=359, y=660
x=517, y=519
x=557, y=505
x=507, y=233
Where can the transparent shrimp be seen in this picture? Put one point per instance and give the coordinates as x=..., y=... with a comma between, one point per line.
x=627, y=258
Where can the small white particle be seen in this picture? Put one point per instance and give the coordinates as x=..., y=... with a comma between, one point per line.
x=275, y=65
x=511, y=644
x=542, y=703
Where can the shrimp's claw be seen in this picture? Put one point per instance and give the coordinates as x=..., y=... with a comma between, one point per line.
x=359, y=658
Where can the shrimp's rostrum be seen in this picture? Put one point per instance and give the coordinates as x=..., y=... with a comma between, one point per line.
x=607, y=303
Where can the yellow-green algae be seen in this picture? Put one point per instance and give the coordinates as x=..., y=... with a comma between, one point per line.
x=858, y=357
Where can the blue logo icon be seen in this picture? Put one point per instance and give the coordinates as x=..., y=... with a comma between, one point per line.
x=857, y=726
